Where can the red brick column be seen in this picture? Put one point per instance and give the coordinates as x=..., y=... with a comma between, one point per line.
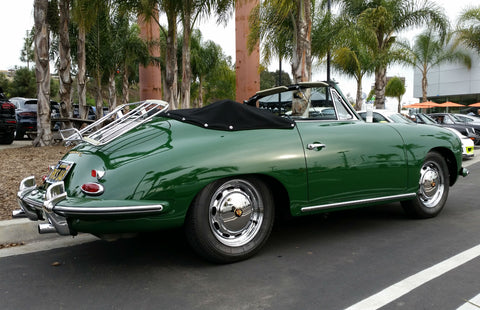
x=247, y=66
x=150, y=77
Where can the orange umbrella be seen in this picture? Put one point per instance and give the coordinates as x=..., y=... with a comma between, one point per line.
x=422, y=105
x=431, y=104
x=413, y=105
x=475, y=105
x=450, y=104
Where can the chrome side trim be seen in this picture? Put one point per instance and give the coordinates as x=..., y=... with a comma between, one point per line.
x=357, y=202
x=108, y=210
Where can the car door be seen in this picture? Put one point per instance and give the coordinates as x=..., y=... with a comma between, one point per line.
x=349, y=160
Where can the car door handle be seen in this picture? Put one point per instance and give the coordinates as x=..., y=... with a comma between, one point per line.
x=316, y=146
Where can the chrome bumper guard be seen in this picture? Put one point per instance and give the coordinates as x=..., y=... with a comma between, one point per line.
x=56, y=215
x=36, y=211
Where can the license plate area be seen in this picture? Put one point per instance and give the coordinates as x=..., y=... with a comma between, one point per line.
x=60, y=171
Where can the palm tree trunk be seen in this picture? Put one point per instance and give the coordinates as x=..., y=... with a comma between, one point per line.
x=358, y=100
x=125, y=86
x=98, y=96
x=424, y=86
x=171, y=79
x=44, y=132
x=81, y=75
x=380, y=83
x=200, y=91
x=65, y=62
x=302, y=58
x=186, y=68
x=112, y=96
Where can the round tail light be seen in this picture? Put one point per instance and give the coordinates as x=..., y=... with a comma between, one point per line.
x=92, y=189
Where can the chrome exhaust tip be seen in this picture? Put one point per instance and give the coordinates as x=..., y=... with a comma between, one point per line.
x=46, y=228
x=18, y=214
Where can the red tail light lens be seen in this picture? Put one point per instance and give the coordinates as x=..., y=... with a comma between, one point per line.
x=28, y=114
x=92, y=189
x=7, y=106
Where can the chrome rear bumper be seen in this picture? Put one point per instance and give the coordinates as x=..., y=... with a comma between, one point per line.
x=35, y=211
x=46, y=205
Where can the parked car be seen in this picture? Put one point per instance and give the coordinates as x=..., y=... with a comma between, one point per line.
x=91, y=112
x=467, y=118
x=26, y=116
x=470, y=130
x=468, y=146
x=7, y=119
x=387, y=116
x=422, y=118
x=223, y=171
x=382, y=115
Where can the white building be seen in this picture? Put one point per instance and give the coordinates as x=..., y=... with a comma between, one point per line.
x=451, y=82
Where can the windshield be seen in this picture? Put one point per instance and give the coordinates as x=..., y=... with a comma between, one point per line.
x=426, y=119
x=306, y=103
x=399, y=118
x=457, y=119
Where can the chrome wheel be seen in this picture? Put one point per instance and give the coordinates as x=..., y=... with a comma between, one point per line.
x=230, y=219
x=432, y=190
x=235, y=213
x=432, y=184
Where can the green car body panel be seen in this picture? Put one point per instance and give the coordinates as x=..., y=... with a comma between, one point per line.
x=169, y=162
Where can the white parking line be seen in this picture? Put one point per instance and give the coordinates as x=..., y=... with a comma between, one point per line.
x=472, y=304
x=403, y=287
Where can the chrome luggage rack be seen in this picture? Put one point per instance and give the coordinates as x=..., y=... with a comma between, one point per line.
x=115, y=123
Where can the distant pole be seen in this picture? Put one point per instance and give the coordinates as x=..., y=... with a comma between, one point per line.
x=279, y=78
x=280, y=71
x=328, y=52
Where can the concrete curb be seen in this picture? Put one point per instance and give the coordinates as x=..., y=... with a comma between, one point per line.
x=18, y=230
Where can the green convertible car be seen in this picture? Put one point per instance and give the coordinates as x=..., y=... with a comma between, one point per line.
x=224, y=171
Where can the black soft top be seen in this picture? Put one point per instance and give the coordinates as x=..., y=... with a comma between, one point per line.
x=230, y=115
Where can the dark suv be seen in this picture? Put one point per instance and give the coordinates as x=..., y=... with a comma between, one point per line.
x=7, y=119
x=26, y=115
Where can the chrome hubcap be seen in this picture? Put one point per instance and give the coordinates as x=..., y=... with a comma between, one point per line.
x=235, y=213
x=431, y=184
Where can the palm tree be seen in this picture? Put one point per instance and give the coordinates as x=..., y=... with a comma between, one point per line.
x=468, y=28
x=285, y=27
x=275, y=33
x=100, y=52
x=65, y=61
x=211, y=71
x=430, y=50
x=44, y=133
x=353, y=55
x=26, y=54
x=132, y=51
x=84, y=15
x=395, y=88
x=384, y=19
x=190, y=11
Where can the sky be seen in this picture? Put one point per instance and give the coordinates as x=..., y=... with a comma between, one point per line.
x=16, y=18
